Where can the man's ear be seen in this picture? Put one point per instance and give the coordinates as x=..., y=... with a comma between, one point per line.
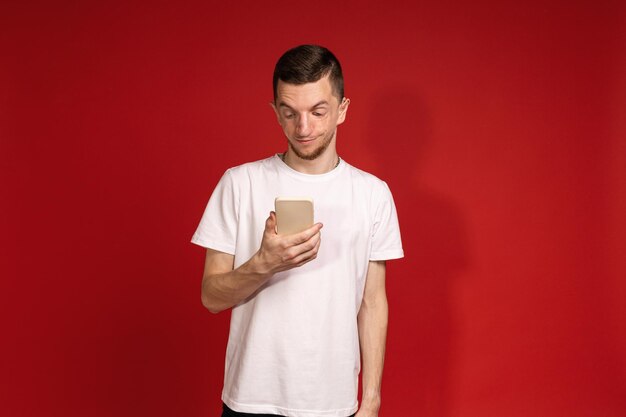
x=273, y=105
x=343, y=109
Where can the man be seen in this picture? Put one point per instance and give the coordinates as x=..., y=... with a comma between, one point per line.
x=304, y=306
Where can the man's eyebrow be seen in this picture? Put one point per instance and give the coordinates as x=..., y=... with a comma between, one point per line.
x=320, y=104
x=316, y=105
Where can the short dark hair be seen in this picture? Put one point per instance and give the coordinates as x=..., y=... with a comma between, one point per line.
x=307, y=64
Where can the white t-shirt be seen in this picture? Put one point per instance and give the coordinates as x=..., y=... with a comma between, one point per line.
x=293, y=347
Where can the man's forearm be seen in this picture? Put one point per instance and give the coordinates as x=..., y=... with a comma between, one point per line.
x=221, y=291
x=372, y=322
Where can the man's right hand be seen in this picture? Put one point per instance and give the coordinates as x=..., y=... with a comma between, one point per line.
x=283, y=252
x=224, y=287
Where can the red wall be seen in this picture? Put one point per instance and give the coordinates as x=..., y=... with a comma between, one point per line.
x=499, y=126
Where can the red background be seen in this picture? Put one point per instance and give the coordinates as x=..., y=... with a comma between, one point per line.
x=499, y=126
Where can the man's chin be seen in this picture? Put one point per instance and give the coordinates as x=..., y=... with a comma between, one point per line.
x=311, y=154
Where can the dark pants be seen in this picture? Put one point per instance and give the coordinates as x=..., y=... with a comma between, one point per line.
x=231, y=413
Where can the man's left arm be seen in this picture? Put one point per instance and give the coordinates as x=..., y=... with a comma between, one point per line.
x=372, y=322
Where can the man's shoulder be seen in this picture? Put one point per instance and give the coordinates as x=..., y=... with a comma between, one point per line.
x=366, y=178
x=253, y=167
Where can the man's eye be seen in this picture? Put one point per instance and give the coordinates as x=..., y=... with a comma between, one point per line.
x=318, y=114
x=288, y=115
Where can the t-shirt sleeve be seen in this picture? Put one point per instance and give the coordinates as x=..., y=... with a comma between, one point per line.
x=218, y=227
x=386, y=240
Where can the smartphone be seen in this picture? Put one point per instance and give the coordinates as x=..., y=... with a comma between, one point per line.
x=293, y=214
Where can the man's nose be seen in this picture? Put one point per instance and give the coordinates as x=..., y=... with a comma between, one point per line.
x=303, y=128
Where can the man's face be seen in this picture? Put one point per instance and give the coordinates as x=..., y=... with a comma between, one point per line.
x=309, y=115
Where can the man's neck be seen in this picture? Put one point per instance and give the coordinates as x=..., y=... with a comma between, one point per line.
x=324, y=163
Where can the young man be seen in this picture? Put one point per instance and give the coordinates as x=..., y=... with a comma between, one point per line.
x=305, y=306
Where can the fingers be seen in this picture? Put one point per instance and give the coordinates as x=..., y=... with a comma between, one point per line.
x=307, y=256
x=282, y=252
x=299, y=238
x=303, y=252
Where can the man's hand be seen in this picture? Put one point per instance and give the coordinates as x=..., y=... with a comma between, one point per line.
x=369, y=407
x=283, y=252
x=224, y=287
x=366, y=413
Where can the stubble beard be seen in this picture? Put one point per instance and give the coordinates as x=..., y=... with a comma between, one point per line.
x=317, y=152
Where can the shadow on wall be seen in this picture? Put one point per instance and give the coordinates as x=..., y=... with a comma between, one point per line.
x=422, y=332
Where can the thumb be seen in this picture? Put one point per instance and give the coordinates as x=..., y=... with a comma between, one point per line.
x=270, y=223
